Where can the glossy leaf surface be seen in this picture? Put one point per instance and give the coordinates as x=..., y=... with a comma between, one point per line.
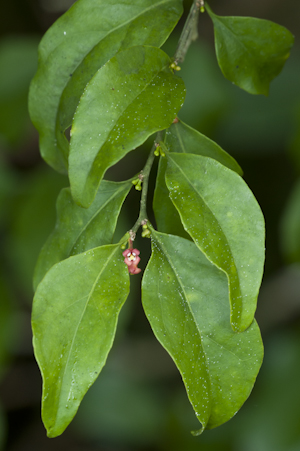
x=250, y=52
x=220, y=213
x=185, y=298
x=76, y=46
x=181, y=138
x=74, y=319
x=79, y=229
x=134, y=95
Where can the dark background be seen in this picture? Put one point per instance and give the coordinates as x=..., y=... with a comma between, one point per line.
x=139, y=402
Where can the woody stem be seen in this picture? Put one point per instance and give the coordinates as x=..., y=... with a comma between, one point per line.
x=189, y=34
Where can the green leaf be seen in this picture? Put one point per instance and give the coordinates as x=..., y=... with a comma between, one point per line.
x=134, y=95
x=166, y=216
x=181, y=138
x=75, y=47
x=250, y=52
x=185, y=298
x=222, y=216
x=79, y=229
x=74, y=320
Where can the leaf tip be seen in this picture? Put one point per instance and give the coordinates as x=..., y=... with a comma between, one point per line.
x=198, y=432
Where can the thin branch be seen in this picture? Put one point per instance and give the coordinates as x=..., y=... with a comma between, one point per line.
x=189, y=32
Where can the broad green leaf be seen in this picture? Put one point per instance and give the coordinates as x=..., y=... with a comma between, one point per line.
x=79, y=229
x=74, y=318
x=134, y=95
x=75, y=47
x=185, y=298
x=181, y=138
x=250, y=52
x=290, y=227
x=220, y=213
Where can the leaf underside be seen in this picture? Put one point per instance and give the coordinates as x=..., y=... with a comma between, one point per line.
x=223, y=218
x=74, y=318
x=185, y=298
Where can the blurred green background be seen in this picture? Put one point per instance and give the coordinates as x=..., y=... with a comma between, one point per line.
x=138, y=402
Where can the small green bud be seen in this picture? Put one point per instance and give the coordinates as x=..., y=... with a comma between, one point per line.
x=146, y=233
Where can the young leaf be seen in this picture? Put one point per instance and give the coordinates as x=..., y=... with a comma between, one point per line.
x=75, y=47
x=134, y=95
x=181, y=138
x=79, y=229
x=222, y=216
x=185, y=298
x=74, y=318
x=250, y=52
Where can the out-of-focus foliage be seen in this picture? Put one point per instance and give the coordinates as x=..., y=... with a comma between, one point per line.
x=18, y=63
x=290, y=226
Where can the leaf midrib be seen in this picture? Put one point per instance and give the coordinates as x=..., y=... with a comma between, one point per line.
x=236, y=36
x=121, y=114
x=229, y=247
x=120, y=189
x=145, y=11
x=189, y=307
x=180, y=282
x=83, y=312
x=179, y=138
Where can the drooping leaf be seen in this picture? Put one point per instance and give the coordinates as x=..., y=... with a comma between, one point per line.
x=185, y=298
x=134, y=95
x=220, y=213
x=181, y=138
x=75, y=47
x=74, y=319
x=250, y=52
x=79, y=229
